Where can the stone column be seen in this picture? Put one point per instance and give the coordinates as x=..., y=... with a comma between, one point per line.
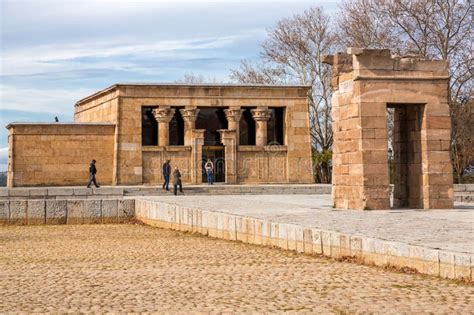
x=163, y=116
x=197, y=141
x=229, y=139
x=261, y=116
x=189, y=116
x=233, y=115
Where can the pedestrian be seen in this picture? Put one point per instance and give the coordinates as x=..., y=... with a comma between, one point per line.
x=92, y=172
x=166, y=174
x=209, y=167
x=177, y=181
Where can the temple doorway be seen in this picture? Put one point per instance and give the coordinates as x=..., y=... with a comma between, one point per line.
x=217, y=156
x=405, y=154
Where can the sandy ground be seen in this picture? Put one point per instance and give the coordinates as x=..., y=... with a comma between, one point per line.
x=133, y=268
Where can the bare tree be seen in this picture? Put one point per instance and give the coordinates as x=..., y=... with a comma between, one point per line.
x=438, y=29
x=192, y=78
x=292, y=53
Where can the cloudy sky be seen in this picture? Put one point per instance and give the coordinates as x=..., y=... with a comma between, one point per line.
x=55, y=52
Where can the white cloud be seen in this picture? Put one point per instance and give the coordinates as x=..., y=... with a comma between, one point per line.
x=64, y=57
x=54, y=101
x=4, y=155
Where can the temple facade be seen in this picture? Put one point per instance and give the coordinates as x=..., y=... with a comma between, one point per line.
x=252, y=133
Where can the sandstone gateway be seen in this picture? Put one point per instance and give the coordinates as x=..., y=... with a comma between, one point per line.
x=254, y=134
x=366, y=83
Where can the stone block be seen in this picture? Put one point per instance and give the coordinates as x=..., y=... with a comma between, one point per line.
x=92, y=211
x=108, y=191
x=56, y=211
x=308, y=241
x=446, y=265
x=291, y=236
x=82, y=191
x=431, y=261
x=4, y=211
x=126, y=209
x=345, y=245
x=335, y=244
x=3, y=192
x=356, y=246
x=75, y=211
x=232, y=228
x=60, y=191
x=325, y=242
x=38, y=192
x=19, y=192
x=282, y=236
x=18, y=210
x=36, y=211
x=109, y=209
x=462, y=266
x=274, y=233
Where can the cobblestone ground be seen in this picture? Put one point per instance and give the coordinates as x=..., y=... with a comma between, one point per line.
x=133, y=268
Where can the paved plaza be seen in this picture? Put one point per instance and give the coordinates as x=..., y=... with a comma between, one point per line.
x=451, y=229
x=135, y=268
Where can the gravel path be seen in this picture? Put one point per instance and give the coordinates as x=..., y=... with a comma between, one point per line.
x=133, y=268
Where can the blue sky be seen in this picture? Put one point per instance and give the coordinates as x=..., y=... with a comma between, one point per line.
x=55, y=52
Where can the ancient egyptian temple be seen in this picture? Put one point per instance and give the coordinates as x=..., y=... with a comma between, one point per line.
x=252, y=133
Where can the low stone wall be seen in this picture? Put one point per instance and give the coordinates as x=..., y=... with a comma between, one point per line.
x=66, y=211
x=59, y=154
x=305, y=240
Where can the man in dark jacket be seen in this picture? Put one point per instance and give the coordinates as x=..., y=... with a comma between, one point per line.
x=177, y=181
x=166, y=174
x=92, y=172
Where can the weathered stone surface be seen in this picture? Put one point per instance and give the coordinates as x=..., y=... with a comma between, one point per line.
x=56, y=211
x=36, y=212
x=126, y=209
x=360, y=101
x=60, y=191
x=4, y=211
x=109, y=211
x=92, y=211
x=18, y=210
x=75, y=211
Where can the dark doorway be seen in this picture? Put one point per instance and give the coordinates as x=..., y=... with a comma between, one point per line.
x=405, y=154
x=149, y=126
x=275, y=126
x=177, y=128
x=247, y=128
x=217, y=156
x=211, y=119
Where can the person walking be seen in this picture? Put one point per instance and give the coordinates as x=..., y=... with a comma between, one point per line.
x=166, y=174
x=177, y=181
x=209, y=167
x=92, y=172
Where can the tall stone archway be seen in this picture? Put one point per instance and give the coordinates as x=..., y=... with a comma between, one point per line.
x=366, y=82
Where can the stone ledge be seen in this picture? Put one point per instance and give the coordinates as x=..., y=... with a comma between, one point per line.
x=308, y=240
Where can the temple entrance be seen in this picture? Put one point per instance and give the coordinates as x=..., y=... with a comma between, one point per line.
x=217, y=156
x=405, y=154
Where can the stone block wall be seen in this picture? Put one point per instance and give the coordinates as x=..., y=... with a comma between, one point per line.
x=153, y=159
x=59, y=154
x=66, y=211
x=131, y=160
x=366, y=82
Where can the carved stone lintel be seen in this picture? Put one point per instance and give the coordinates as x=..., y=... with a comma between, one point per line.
x=233, y=114
x=163, y=114
x=189, y=114
x=261, y=114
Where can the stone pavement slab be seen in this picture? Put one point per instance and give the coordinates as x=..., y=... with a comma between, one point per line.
x=449, y=229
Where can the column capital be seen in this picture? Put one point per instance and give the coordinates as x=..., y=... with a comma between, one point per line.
x=163, y=114
x=233, y=114
x=261, y=113
x=189, y=114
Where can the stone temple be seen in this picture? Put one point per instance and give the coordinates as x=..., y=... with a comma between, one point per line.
x=253, y=133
